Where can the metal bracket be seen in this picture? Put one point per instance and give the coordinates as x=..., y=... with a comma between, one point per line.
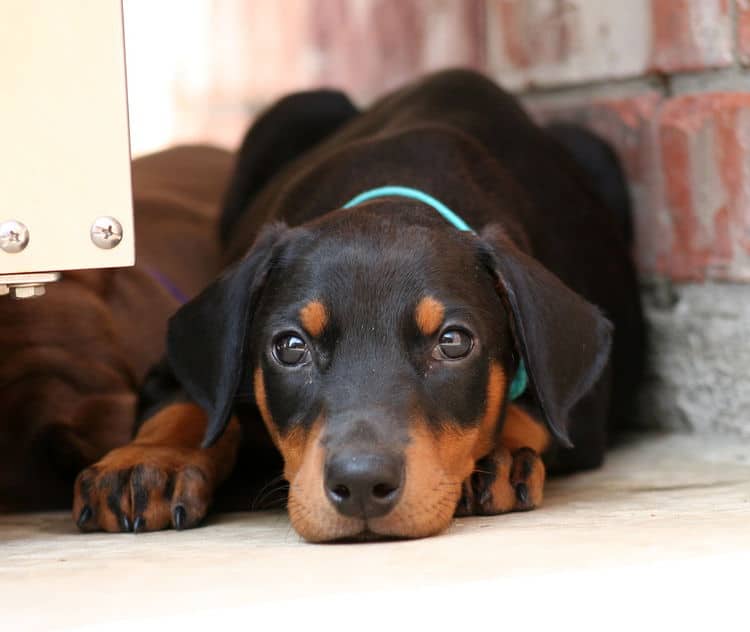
x=20, y=286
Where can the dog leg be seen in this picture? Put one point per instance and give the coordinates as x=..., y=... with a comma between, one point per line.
x=162, y=478
x=488, y=490
x=511, y=478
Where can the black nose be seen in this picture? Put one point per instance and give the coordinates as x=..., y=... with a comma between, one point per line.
x=364, y=485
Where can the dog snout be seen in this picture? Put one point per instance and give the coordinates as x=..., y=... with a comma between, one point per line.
x=364, y=485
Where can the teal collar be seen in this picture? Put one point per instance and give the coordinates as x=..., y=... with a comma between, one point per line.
x=414, y=194
x=521, y=378
x=519, y=383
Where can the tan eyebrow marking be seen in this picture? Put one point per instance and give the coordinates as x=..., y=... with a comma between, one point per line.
x=429, y=315
x=314, y=318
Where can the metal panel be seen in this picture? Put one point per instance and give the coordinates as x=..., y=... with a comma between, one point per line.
x=64, y=146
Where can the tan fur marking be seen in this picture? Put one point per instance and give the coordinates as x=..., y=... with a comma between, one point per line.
x=314, y=318
x=178, y=425
x=261, y=401
x=534, y=482
x=292, y=445
x=495, y=389
x=521, y=430
x=429, y=315
x=503, y=496
x=168, y=444
x=310, y=512
x=173, y=437
x=456, y=448
x=436, y=465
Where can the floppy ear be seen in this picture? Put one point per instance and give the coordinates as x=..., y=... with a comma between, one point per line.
x=563, y=339
x=206, y=338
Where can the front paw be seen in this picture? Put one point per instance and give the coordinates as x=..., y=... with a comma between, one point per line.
x=503, y=482
x=527, y=479
x=144, y=488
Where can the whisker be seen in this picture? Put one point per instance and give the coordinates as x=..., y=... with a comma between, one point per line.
x=263, y=490
x=270, y=501
x=280, y=503
x=262, y=500
x=270, y=482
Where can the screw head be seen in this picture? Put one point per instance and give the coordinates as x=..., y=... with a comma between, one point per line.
x=106, y=232
x=14, y=236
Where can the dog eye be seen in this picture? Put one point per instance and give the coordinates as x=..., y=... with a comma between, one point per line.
x=453, y=345
x=290, y=349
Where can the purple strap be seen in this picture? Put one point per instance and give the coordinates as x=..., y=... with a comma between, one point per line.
x=170, y=287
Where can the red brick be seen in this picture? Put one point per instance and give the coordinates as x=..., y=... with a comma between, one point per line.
x=690, y=34
x=705, y=158
x=555, y=42
x=743, y=30
x=688, y=164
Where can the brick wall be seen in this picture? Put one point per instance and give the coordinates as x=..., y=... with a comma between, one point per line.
x=663, y=80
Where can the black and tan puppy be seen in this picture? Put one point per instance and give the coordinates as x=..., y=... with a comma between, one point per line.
x=405, y=368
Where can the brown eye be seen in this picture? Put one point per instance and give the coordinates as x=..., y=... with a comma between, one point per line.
x=453, y=345
x=290, y=350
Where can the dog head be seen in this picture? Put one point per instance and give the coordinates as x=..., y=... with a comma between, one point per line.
x=379, y=344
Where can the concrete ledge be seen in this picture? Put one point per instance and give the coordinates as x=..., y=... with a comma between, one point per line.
x=660, y=534
x=699, y=358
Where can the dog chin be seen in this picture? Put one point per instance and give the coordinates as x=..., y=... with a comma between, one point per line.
x=321, y=524
x=359, y=531
x=374, y=531
x=367, y=534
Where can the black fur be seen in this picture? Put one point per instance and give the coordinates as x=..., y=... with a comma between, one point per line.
x=293, y=125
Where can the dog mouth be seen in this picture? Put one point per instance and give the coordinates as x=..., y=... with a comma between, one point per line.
x=367, y=535
x=322, y=523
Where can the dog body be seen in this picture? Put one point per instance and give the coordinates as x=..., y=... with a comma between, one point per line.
x=377, y=346
x=72, y=362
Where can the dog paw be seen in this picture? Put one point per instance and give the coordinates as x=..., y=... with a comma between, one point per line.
x=503, y=482
x=527, y=479
x=493, y=493
x=144, y=488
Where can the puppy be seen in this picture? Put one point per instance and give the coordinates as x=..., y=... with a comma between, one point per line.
x=436, y=307
x=71, y=363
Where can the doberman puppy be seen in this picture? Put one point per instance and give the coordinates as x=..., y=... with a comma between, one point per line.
x=71, y=363
x=436, y=301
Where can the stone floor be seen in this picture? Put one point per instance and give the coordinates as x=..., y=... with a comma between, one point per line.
x=660, y=536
